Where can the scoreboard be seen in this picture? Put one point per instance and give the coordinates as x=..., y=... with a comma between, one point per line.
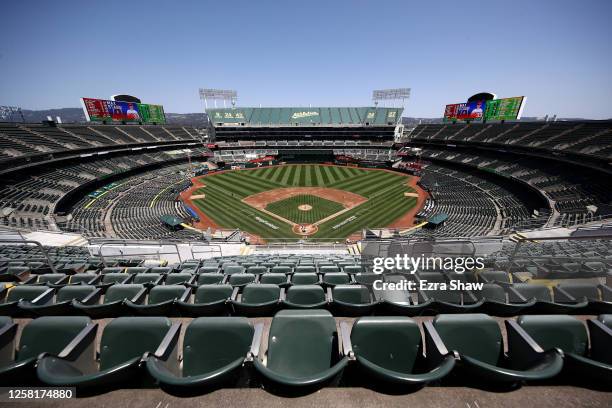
x=495, y=109
x=102, y=110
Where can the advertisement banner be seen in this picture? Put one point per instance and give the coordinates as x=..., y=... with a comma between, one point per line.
x=102, y=110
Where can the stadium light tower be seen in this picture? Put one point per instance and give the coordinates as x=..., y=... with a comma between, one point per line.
x=395, y=94
x=225, y=95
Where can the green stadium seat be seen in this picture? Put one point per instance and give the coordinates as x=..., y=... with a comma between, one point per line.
x=208, y=300
x=305, y=269
x=275, y=279
x=286, y=269
x=179, y=278
x=84, y=278
x=305, y=352
x=336, y=278
x=544, y=303
x=305, y=297
x=208, y=279
x=214, y=350
x=351, y=300
x=124, y=342
x=478, y=342
x=33, y=294
x=43, y=335
x=576, y=293
x=257, y=300
x=148, y=279
x=241, y=279
x=114, y=302
x=570, y=335
x=389, y=350
x=87, y=294
x=208, y=269
x=161, y=301
x=305, y=278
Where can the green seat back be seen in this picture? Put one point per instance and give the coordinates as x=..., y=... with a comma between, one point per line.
x=143, y=278
x=336, y=278
x=257, y=270
x=213, y=342
x=305, y=294
x=212, y=293
x=474, y=335
x=329, y=269
x=305, y=269
x=25, y=292
x=210, y=278
x=208, y=269
x=49, y=334
x=77, y=292
x=232, y=269
x=301, y=343
x=160, y=270
x=304, y=278
x=354, y=269
x=136, y=269
x=260, y=293
x=114, y=277
x=449, y=296
x=241, y=278
x=499, y=276
x=163, y=293
x=121, y=292
x=50, y=277
x=273, y=278
x=281, y=269
x=393, y=343
x=177, y=278
x=127, y=337
x=581, y=290
x=528, y=291
x=562, y=331
x=491, y=291
x=82, y=277
x=112, y=270
x=354, y=294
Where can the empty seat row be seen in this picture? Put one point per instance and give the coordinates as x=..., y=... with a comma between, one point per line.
x=262, y=299
x=307, y=351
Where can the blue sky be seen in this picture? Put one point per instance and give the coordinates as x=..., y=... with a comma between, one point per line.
x=296, y=53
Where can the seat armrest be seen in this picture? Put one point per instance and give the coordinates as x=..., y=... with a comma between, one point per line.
x=347, y=346
x=283, y=295
x=185, y=296
x=436, y=349
x=523, y=350
x=7, y=343
x=81, y=351
x=93, y=298
x=328, y=295
x=167, y=347
x=234, y=296
x=44, y=298
x=140, y=297
x=256, y=343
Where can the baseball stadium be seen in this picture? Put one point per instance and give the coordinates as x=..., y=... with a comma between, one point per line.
x=289, y=253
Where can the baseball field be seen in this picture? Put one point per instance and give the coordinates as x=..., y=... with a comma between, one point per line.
x=303, y=200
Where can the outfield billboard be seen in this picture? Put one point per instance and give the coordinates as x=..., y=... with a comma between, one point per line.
x=102, y=110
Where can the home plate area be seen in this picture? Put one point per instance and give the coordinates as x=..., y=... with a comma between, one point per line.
x=304, y=207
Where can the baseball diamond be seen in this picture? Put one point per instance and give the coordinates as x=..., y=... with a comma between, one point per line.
x=343, y=199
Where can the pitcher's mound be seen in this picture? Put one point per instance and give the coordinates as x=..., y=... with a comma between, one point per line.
x=304, y=207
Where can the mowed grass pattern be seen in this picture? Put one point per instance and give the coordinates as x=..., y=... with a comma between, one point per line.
x=384, y=190
x=289, y=208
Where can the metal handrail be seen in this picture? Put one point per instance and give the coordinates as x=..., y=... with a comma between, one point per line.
x=25, y=241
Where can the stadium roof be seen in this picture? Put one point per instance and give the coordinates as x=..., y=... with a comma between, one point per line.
x=323, y=116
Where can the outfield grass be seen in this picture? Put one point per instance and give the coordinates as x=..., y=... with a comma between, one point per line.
x=288, y=208
x=384, y=190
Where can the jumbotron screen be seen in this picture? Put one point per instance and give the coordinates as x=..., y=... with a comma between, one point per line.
x=100, y=110
x=504, y=109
